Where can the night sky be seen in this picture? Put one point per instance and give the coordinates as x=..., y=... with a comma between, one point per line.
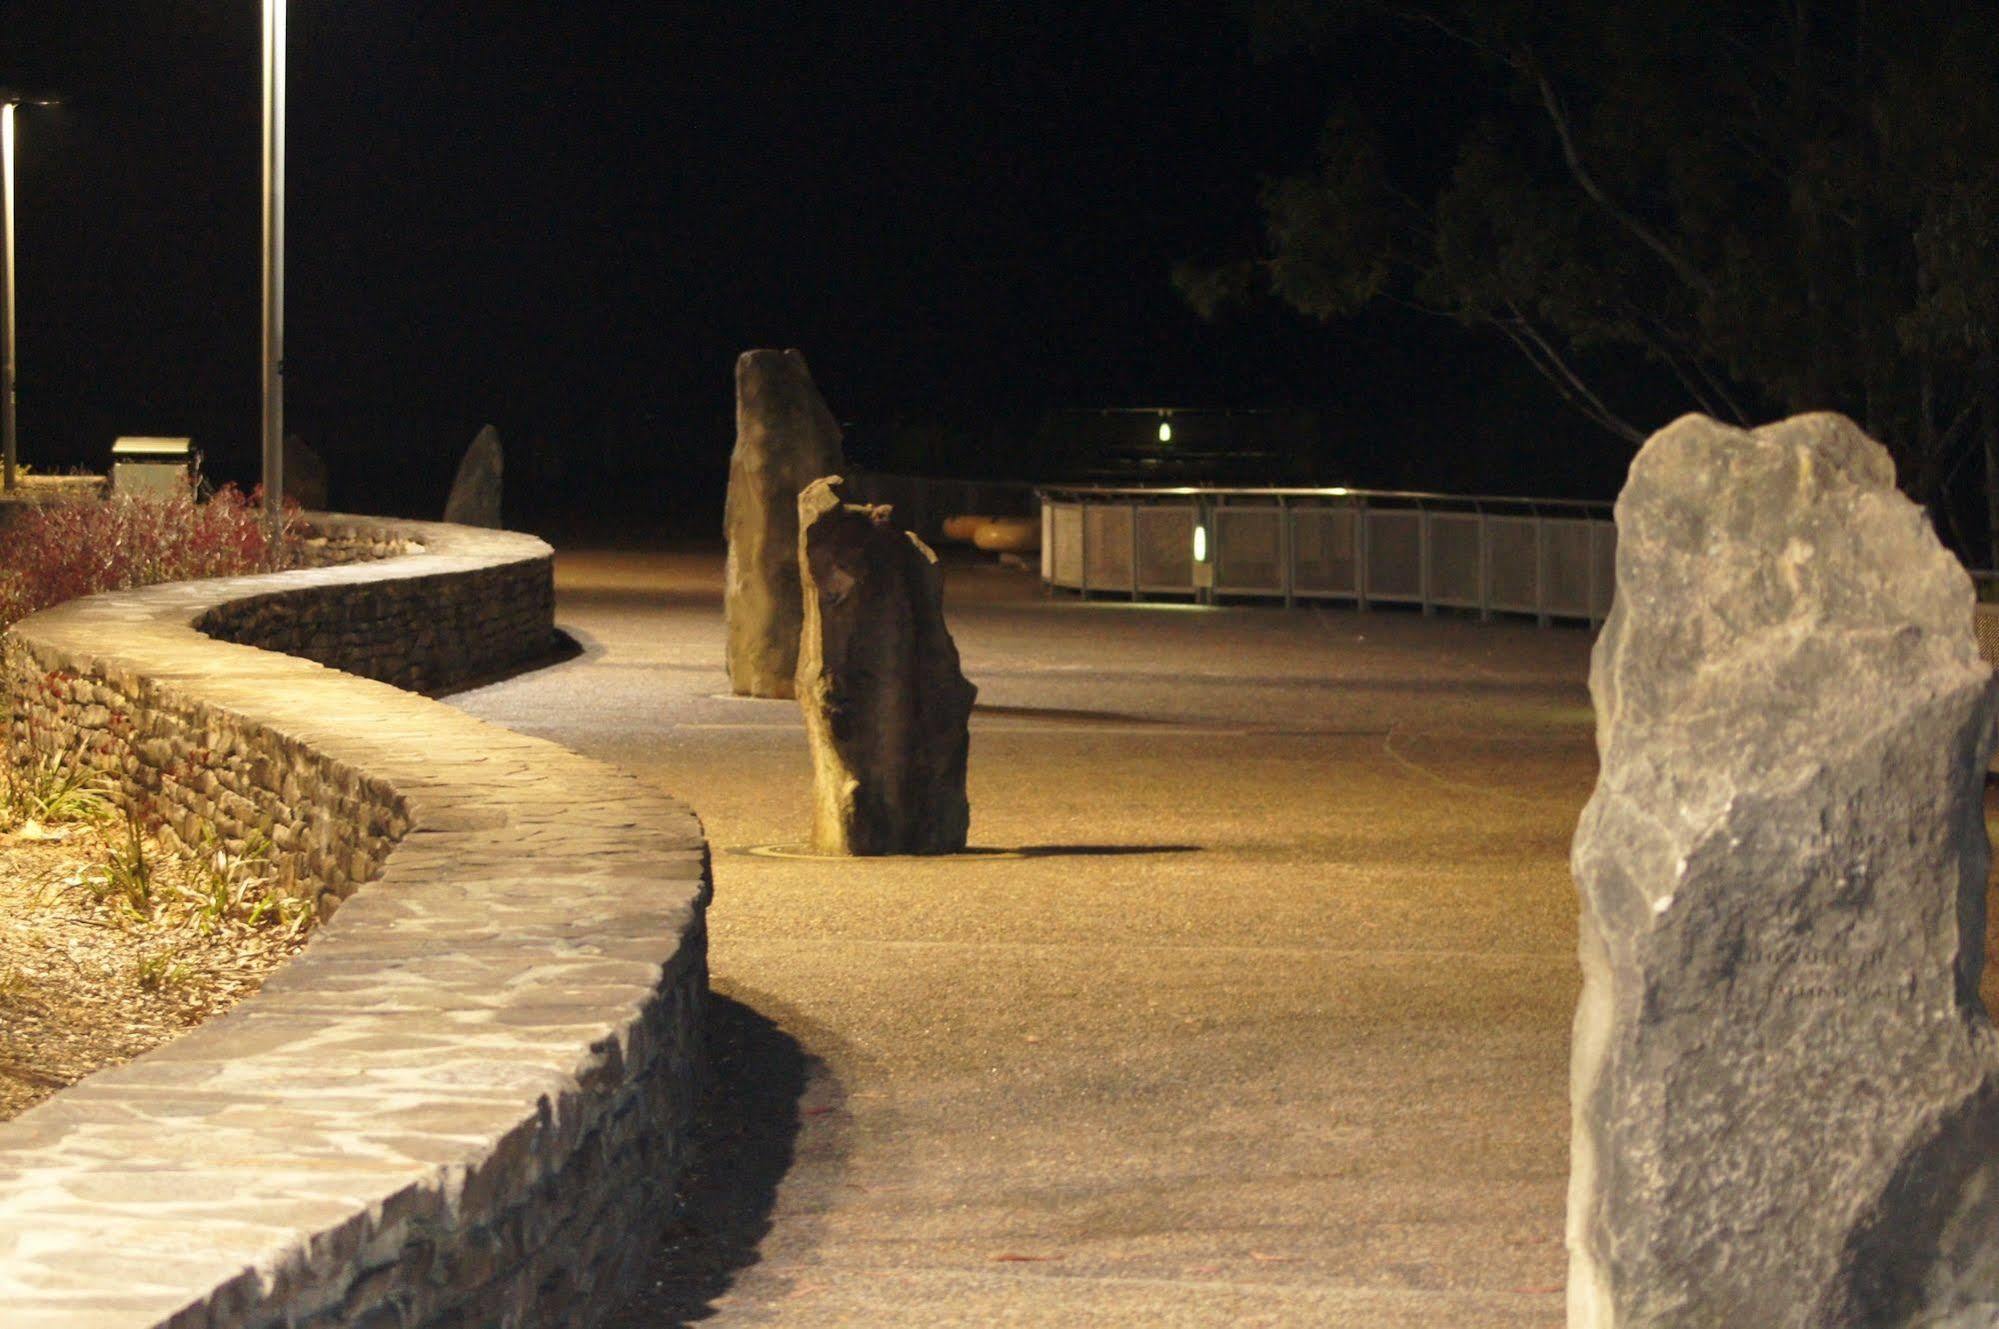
x=568, y=219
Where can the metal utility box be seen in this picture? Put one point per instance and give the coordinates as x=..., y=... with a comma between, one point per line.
x=157, y=466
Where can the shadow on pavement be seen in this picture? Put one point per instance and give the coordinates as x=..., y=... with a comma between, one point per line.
x=1100, y=850
x=648, y=598
x=744, y=1146
x=1060, y=713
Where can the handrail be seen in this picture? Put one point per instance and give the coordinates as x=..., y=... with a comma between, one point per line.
x=1337, y=491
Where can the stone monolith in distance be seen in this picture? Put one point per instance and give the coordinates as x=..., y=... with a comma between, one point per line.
x=887, y=708
x=476, y=489
x=305, y=475
x=785, y=439
x=1785, y=1090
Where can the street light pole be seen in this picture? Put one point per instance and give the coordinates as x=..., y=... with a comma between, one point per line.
x=7, y=439
x=274, y=263
x=8, y=395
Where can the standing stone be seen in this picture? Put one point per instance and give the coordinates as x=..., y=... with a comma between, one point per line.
x=1785, y=1089
x=886, y=708
x=475, y=493
x=305, y=475
x=785, y=439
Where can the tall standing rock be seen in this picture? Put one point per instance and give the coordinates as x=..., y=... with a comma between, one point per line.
x=1785, y=1089
x=475, y=491
x=785, y=439
x=886, y=708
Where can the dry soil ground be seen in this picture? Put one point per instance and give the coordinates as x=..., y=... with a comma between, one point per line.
x=97, y=967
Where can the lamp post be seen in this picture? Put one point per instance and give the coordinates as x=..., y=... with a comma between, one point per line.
x=274, y=263
x=8, y=102
x=7, y=277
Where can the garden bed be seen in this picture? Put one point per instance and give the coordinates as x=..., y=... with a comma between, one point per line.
x=106, y=953
x=112, y=941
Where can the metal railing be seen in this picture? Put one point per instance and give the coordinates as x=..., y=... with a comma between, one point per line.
x=1551, y=558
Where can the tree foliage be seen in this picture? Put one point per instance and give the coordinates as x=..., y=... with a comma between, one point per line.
x=1771, y=207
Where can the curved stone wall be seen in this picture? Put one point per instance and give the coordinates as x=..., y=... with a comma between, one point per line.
x=466, y=1101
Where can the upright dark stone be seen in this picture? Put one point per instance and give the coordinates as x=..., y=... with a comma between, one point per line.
x=785, y=439
x=886, y=708
x=305, y=475
x=1785, y=1089
x=475, y=492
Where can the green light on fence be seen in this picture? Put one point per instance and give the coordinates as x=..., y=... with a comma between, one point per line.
x=1200, y=543
x=1165, y=432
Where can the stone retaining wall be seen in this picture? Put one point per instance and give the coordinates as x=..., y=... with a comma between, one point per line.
x=349, y=542
x=426, y=634
x=465, y=1103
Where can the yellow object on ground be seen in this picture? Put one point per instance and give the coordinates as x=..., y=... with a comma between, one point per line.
x=1009, y=535
x=965, y=527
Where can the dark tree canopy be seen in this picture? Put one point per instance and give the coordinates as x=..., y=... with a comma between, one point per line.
x=1772, y=208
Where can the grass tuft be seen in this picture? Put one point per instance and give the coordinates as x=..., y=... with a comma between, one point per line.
x=55, y=790
x=161, y=968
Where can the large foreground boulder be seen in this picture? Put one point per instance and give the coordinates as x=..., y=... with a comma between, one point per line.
x=1786, y=1111
x=785, y=439
x=475, y=491
x=886, y=708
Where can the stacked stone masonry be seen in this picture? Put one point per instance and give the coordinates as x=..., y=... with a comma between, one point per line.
x=319, y=548
x=466, y=1101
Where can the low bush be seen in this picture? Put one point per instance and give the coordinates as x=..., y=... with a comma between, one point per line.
x=60, y=551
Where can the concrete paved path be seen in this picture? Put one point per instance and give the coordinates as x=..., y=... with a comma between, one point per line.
x=1265, y=1023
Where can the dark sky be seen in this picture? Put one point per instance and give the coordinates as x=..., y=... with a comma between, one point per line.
x=569, y=217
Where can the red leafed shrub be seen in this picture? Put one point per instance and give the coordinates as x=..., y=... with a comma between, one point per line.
x=62, y=550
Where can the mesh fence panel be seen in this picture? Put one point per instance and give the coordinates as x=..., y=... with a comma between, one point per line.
x=1166, y=549
x=1107, y=546
x=1569, y=571
x=1394, y=556
x=1985, y=629
x=1606, y=566
x=1510, y=542
x=1322, y=554
x=1454, y=559
x=1067, y=521
x=1566, y=566
x=1249, y=549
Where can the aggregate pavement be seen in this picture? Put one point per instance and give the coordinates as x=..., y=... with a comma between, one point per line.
x=1261, y=1020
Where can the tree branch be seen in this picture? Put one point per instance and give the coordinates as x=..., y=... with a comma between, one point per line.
x=1695, y=361
x=1719, y=388
x=1949, y=436
x=1427, y=19
x=1550, y=365
x=1665, y=355
x=1561, y=366
x=1644, y=234
x=1418, y=307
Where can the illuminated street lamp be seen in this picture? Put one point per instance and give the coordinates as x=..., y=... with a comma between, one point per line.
x=8, y=102
x=274, y=263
